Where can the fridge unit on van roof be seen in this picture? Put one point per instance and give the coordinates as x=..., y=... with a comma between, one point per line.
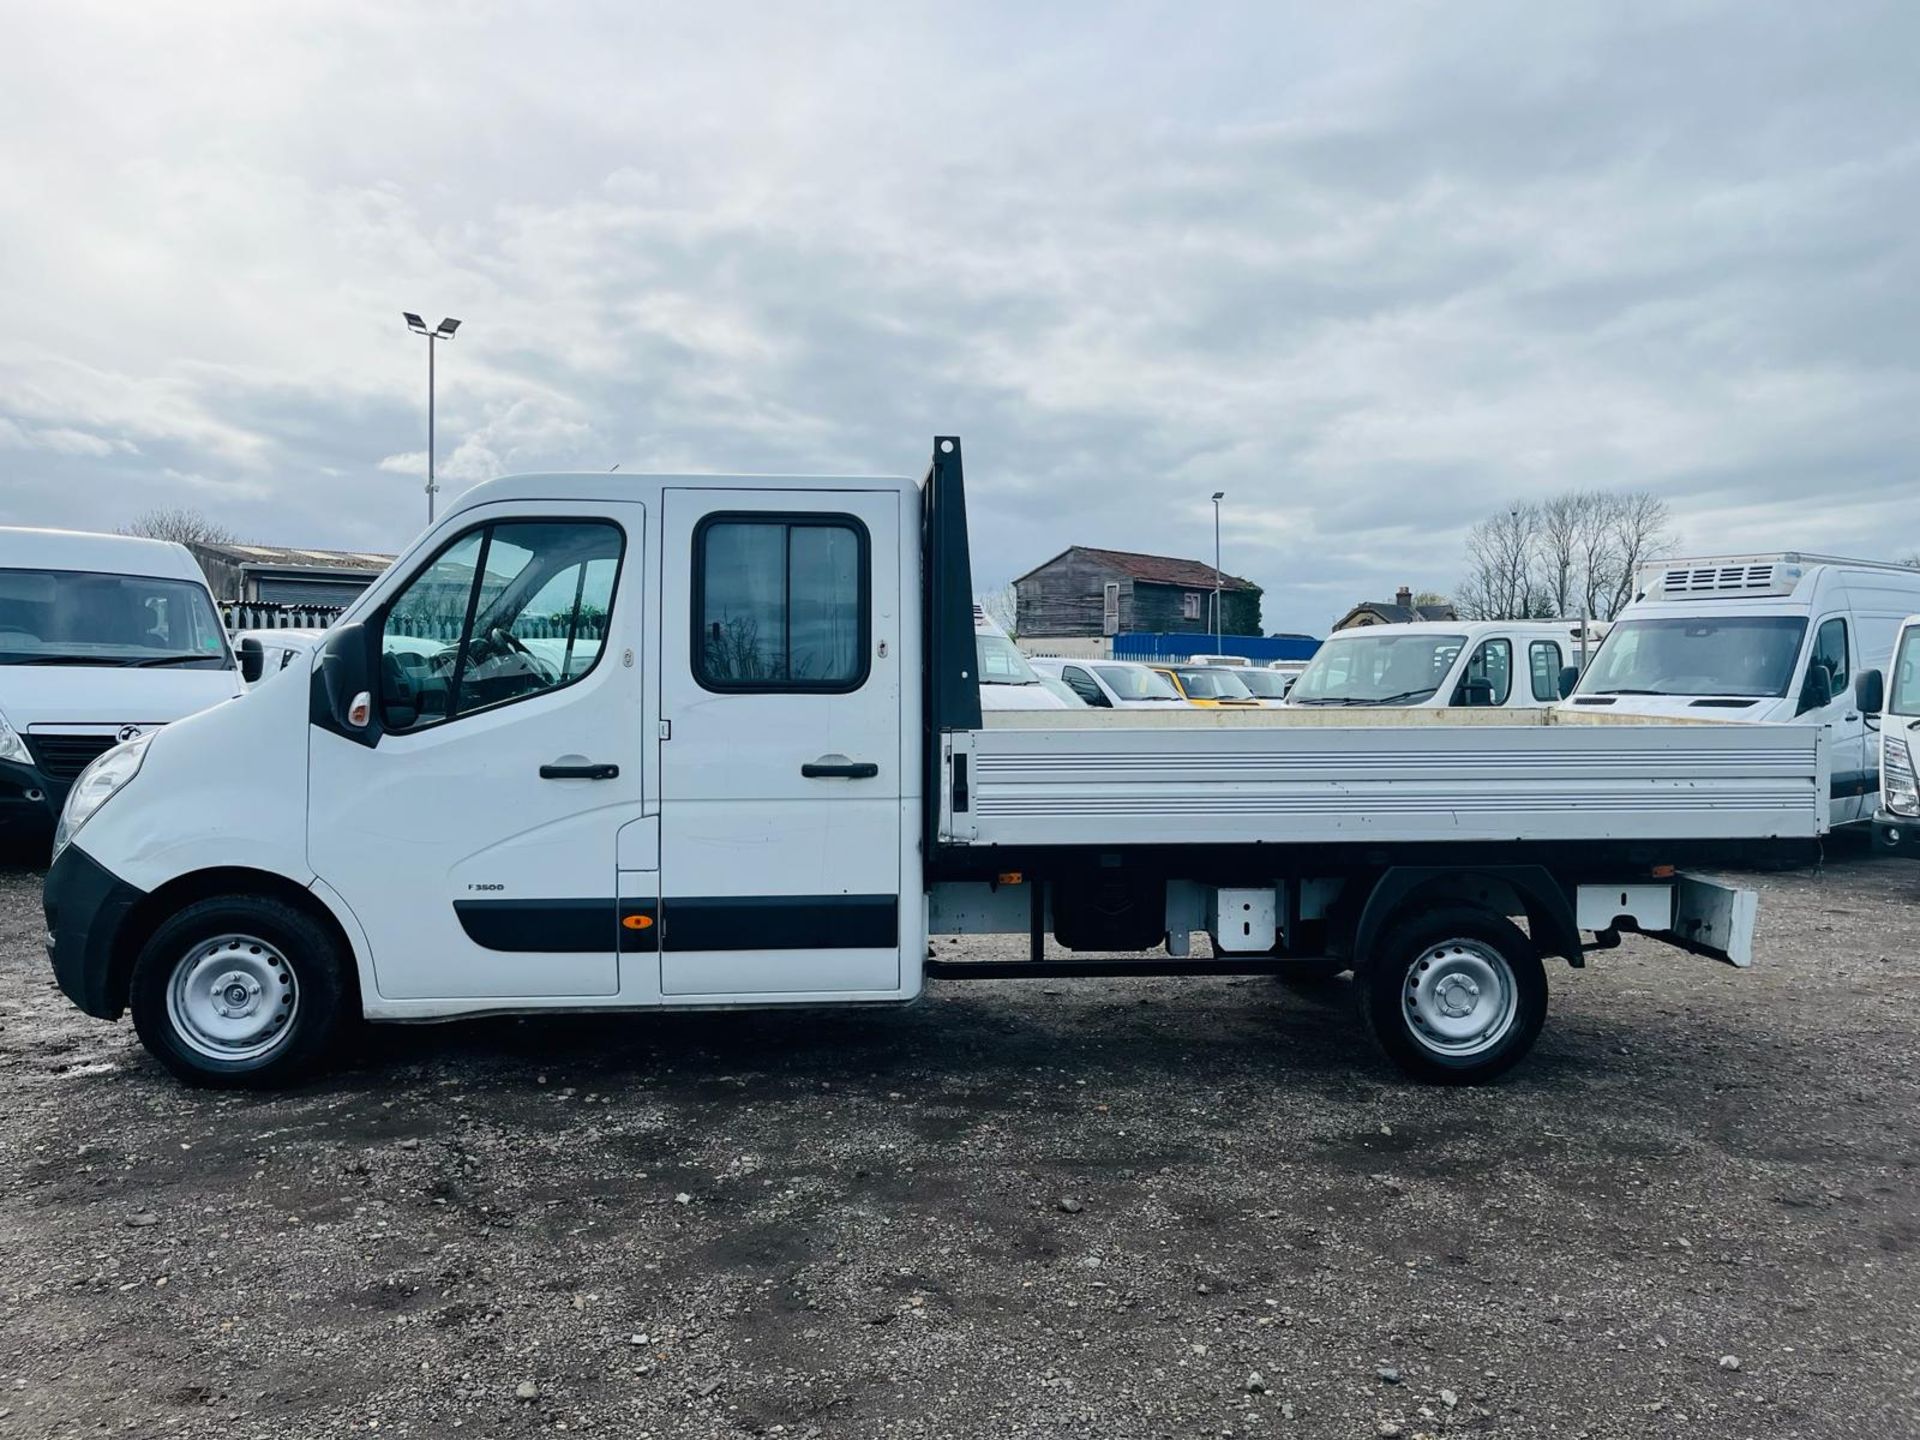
x=1717, y=577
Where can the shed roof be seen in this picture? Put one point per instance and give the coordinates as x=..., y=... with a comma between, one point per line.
x=1151, y=569
x=288, y=557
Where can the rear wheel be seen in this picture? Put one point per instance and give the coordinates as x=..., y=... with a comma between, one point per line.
x=1455, y=996
x=240, y=991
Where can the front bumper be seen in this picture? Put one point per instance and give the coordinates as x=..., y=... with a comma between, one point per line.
x=1896, y=834
x=28, y=797
x=87, y=907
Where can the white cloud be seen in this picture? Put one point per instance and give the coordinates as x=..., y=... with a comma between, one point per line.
x=1371, y=273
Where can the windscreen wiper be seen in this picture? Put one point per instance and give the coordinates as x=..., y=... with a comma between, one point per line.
x=152, y=660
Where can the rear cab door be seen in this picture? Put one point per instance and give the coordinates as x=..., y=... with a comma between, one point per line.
x=784, y=783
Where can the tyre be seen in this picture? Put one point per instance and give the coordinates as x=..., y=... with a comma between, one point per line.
x=1455, y=996
x=241, y=991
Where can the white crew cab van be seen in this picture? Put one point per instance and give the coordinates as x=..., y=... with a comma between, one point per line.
x=1760, y=639
x=102, y=638
x=1433, y=664
x=1893, y=700
x=1112, y=684
x=752, y=769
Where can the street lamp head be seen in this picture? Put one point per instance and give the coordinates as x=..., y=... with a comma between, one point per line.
x=415, y=323
x=447, y=327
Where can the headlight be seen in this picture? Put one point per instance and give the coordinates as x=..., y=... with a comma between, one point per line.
x=1897, y=787
x=12, y=747
x=98, y=783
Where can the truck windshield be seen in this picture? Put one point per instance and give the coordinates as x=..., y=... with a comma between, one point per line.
x=1903, y=696
x=1001, y=662
x=1364, y=669
x=1721, y=655
x=78, y=617
x=1266, y=684
x=1131, y=684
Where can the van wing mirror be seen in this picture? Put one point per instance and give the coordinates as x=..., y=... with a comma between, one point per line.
x=1817, y=692
x=1569, y=677
x=253, y=660
x=345, y=674
x=1870, y=692
x=1476, y=691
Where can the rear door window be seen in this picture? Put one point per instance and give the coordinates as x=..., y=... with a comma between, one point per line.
x=1544, y=664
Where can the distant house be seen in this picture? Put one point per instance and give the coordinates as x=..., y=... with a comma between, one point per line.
x=281, y=575
x=1401, y=611
x=1084, y=592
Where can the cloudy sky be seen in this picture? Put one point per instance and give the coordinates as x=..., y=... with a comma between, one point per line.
x=1372, y=270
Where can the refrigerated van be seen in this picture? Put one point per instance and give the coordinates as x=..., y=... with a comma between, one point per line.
x=1759, y=639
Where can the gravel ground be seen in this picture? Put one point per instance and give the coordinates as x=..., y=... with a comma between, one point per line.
x=1140, y=1208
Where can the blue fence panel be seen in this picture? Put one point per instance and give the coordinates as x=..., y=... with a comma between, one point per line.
x=1168, y=645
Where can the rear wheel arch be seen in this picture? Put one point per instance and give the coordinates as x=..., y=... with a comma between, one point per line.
x=155, y=908
x=1406, y=891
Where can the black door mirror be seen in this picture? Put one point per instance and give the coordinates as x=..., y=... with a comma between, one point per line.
x=253, y=660
x=1569, y=677
x=1477, y=691
x=1870, y=692
x=1817, y=693
x=344, y=679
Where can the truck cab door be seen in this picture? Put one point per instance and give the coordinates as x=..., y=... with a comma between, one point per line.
x=783, y=808
x=471, y=829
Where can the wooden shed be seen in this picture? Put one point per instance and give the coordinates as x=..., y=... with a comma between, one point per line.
x=1083, y=591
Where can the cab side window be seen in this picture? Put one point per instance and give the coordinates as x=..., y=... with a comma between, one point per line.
x=1084, y=685
x=781, y=603
x=1489, y=677
x=1830, y=650
x=505, y=612
x=1543, y=665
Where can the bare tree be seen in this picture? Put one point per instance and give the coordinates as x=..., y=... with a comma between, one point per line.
x=1642, y=531
x=1574, y=553
x=182, y=523
x=1500, y=565
x=1002, y=606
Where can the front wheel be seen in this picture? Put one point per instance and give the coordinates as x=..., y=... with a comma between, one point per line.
x=240, y=991
x=1455, y=996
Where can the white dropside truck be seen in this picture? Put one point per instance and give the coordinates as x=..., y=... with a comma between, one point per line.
x=1759, y=640
x=755, y=773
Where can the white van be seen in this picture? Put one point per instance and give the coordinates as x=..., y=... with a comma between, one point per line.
x=1112, y=684
x=1430, y=664
x=103, y=637
x=1895, y=698
x=1764, y=639
x=1007, y=679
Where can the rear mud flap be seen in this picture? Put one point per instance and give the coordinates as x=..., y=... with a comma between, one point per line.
x=1714, y=919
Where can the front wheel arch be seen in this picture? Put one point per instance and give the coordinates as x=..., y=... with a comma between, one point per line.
x=155, y=908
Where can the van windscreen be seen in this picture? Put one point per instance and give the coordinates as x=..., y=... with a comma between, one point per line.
x=79, y=617
x=1721, y=655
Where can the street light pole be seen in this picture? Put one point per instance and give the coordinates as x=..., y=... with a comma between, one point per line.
x=443, y=332
x=1218, y=496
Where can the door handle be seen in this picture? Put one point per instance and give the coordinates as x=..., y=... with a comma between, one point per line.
x=824, y=769
x=579, y=772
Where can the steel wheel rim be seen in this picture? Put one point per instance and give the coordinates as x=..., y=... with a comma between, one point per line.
x=1460, y=998
x=233, y=998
